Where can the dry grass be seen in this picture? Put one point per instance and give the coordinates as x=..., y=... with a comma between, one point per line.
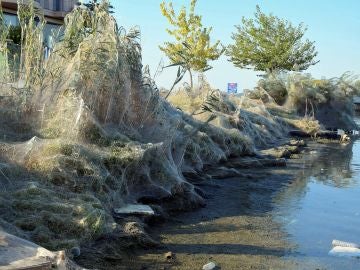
x=306, y=124
x=247, y=117
x=104, y=135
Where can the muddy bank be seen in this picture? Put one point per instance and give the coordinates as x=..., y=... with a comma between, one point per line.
x=235, y=228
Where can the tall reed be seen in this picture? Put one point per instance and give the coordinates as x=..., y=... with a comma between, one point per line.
x=32, y=24
x=4, y=30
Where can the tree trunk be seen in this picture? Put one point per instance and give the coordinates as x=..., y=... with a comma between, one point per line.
x=191, y=80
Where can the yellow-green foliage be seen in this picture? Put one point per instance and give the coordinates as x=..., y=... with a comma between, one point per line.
x=192, y=48
x=268, y=43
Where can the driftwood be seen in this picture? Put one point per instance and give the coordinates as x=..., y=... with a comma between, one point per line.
x=326, y=134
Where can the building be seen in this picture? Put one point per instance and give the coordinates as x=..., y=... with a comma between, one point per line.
x=54, y=12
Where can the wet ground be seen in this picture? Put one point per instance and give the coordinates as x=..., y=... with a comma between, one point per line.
x=279, y=218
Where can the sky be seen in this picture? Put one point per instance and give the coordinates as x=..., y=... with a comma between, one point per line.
x=333, y=25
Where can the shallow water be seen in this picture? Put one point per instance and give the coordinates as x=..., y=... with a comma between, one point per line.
x=273, y=218
x=323, y=204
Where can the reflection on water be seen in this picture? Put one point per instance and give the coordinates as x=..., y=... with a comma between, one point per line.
x=318, y=201
x=323, y=204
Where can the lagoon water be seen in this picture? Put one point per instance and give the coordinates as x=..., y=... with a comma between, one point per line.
x=322, y=204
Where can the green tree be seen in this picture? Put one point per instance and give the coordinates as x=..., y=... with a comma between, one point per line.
x=270, y=44
x=14, y=34
x=192, y=48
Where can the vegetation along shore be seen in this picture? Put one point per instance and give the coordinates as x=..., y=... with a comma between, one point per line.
x=95, y=159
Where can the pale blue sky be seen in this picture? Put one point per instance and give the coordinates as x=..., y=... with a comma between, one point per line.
x=333, y=25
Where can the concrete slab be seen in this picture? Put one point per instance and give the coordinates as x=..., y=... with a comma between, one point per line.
x=17, y=253
x=135, y=209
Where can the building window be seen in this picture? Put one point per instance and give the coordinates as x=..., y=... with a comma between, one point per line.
x=46, y=4
x=57, y=5
x=11, y=19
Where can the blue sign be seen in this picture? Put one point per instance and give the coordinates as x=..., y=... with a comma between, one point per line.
x=232, y=88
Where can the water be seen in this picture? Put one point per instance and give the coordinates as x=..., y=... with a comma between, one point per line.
x=274, y=218
x=323, y=204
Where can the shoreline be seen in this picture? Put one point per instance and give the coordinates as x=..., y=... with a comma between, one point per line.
x=259, y=186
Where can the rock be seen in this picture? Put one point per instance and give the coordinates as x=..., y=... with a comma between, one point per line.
x=209, y=266
x=278, y=152
x=75, y=252
x=136, y=231
x=133, y=228
x=295, y=156
x=135, y=209
x=293, y=149
x=282, y=151
x=169, y=255
x=300, y=143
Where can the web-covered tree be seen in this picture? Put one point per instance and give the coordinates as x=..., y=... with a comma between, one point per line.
x=270, y=44
x=192, y=49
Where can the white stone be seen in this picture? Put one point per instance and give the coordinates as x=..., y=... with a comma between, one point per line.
x=348, y=252
x=209, y=266
x=139, y=209
x=339, y=243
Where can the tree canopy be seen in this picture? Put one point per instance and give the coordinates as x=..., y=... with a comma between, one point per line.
x=268, y=43
x=192, y=48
